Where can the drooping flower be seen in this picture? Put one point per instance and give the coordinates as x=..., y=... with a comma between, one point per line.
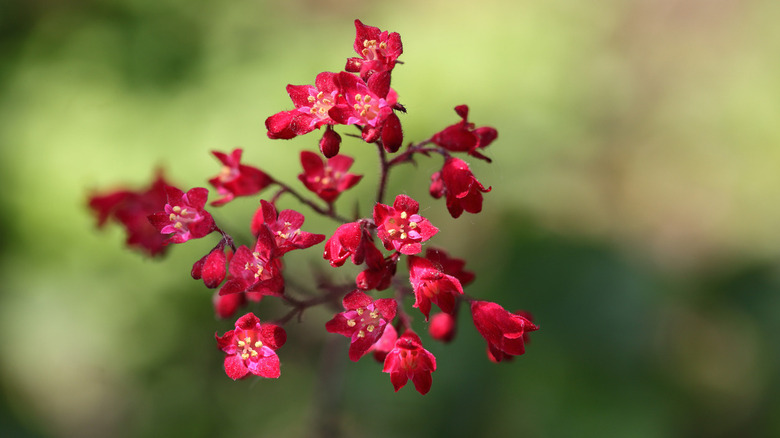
x=385, y=344
x=363, y=321
x=330, y=142
x=463, y=137
x=131, y=210
x=410, y=361
x=400, y=227
x=184, y=217
x=449, y=265
x=347, y=241
x=442, y=327
x=432, y=285
x=458, y=184
x=237, y=179
x=255, y=270
x=378, y=50
x=380, y=269
x=504, y=331
x=312, y=108
x=251, y=348
x=225, y=306
x=285, y=228
x=329, y=179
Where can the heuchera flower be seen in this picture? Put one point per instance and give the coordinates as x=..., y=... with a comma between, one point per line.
x=329, y=179
x=503, y=331
x=380, y=270
x=458, y=184
x=400, y=227
x=442, y=327
x=347, y=241
x=251, y=348
x=225, y=306
x=131, y=209
x=463, y=137
x=285, y=228
x=378, y=50
x=237, y=179
x=330, y=142
x=367, y=104
x=184, y=217
x=409, y=360
x=212, y=267
x=432, y=285
x=312, y=108
x=385, y=344
x=449, y=265
x=255, y=270
x=363, y=322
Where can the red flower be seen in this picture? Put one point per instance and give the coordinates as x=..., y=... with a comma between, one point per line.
x=312, y=107
x=385, y=344
x=432, y=285
x=408, y=360
x=330, y=142
x=327, y=180
x=503, y=331
x=442, y=327
x=285, y=228
x=463, y=191
x=463, y=137
x=367, y=104
x=364, y=321
x=225, y=306
x=347, y=241
x=378, y=50
x=251, y=348
x=255, y=270
x=131, y=209
x=449, y=265
x=236, y=179
x=400, y=227
x=184, y=217
x=380, y=271
x=212, y=267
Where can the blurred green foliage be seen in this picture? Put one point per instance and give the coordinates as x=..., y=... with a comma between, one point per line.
x=632, y=213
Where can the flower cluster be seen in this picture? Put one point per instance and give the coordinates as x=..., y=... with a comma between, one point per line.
x=244, y=274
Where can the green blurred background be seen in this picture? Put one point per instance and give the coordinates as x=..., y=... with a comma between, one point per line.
x=634, y=212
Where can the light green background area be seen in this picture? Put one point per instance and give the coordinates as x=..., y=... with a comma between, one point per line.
x=634, y=212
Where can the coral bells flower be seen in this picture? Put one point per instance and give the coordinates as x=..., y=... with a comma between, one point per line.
x=347, y=241
x=251, y=348
x=327, y=180
x=378, y=50
x=463, y=137
x=285, y=228
x=385, y=344
x=212, y=267
x=408, y=360
x=380, y=270
x=367, y=104
x=184, y=217
x=457, y=183
x=503, y=331
x=400, y=227
x=449, y=265
x=432, y=285
x=131, y=209
x=237, y=179
x=364, y=321
x=312, y=108
x=442, y=327
x=255, y=270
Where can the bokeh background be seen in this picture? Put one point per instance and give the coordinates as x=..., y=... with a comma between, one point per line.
x=634, y=212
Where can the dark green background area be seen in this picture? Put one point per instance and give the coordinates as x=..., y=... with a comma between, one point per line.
x=633, y=212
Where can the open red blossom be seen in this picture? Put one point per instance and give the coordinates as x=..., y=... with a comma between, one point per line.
x=212, y=267
x=363, y=322
x=442, y=327
x=184, y=217
x=504, y=331
x=251, y=348
x=255, y=270
x=285, y=228
x=237, y=179
x=378, y=50
x=400, y=227
x=367, y=104
x=449, y=265
x=131, y=209
x=432, y=285
x=312, y=107
x=327, y=179
x=348, y=240
x=409, y=360
x=458, y=184
x=463, y=137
